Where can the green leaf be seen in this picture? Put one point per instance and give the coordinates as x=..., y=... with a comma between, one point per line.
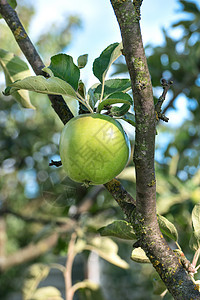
x=119, y=111
x=138, y=255
x=184, y=23
x=81, y=89
x=129, y=118
x=15, y=69
x=120, y=229
x=104, y=61
x=190, y=7
x=36, y=273
x=91, y=96
x=167, y=228
x=195, y=237
x=196, y=218
x=107, y=249
x=12, y=3
x=72, y=104
x=113, y=86
x=82, y=61
x=47, y=293
x=40, y=84
x=89, y=290
x=114, y=98
x=80, y=245
x=63, y=67
x=194, y=241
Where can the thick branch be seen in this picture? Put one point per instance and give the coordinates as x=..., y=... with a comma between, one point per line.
x=144, y=218
x=32, y=56
x=122, y=197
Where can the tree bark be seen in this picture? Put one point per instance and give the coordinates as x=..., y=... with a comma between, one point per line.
x=143, y=214
x=143, y=217
x=32, y=56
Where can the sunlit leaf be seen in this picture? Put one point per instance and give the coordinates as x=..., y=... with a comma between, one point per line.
x=47, y=293
x=120, y=229
x=63, y=67
x=107, y=249
x=36, y=273
x=72, y=104
x=167, y=228
x=80, y=245
x=40, y=84
x=15, y=69
x=105, y=60
x=90, y=290
x=194, y=241
x=195, y=237
x=138, y=255
x=82, y=61
x=196, y=218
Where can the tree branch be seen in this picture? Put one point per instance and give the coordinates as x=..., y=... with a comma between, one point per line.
x=36, y=63
x=163, y=259
x=69, y=263
x=33, y=251
x=122, y=197
x=144, y=218
x=25, y=44
x=166, y=86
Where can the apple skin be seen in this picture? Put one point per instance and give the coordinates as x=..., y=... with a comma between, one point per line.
x=93, y=148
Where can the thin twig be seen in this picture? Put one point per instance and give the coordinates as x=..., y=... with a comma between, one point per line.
x=55, y=163
x=45, y=221
x=69, y=263
x=166, y=86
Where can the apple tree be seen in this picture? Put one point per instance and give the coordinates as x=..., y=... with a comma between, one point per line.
x=69, y=99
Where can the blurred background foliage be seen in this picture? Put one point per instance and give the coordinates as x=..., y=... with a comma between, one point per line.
x=35, y=198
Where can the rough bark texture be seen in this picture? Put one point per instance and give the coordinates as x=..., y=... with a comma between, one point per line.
x=142, y=214
x=143, y=218
x=25, y=44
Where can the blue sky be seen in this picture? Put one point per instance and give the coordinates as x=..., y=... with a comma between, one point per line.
x=99, y=25
x=100, y=28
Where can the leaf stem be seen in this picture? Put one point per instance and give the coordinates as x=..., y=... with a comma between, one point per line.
x=84, y=102
x=196, y=257
x=178, y=246
x=58, y=267
x=102, y=91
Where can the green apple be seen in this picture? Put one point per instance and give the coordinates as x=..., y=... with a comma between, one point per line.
x=94, y=148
